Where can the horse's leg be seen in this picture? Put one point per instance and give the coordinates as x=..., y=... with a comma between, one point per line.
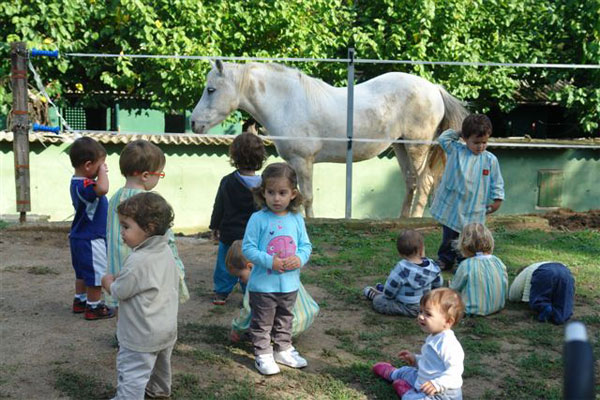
x=410, y=177
x=418, y=157
x=304, y=171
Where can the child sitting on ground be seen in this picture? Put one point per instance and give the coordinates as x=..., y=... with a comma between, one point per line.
x=471, y=186
x=411, y=278
x=437, y=371
x=304, y=312
x=549, y=288
x=142, y=164
x=481, y=278
x=234, y=205
x=147, y=289
x=87, y=238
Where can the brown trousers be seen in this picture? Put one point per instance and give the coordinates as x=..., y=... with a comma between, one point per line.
x=271, y=319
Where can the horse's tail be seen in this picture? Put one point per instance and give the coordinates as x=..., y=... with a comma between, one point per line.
x=454, y=114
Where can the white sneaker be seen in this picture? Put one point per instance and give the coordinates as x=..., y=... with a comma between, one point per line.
x=291, y=358
x=265, y=364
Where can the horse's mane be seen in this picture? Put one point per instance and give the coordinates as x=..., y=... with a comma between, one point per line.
x=314, y=88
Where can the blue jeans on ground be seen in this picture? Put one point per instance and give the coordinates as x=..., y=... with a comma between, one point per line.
x=224, y=282
x=553, y=285
x=446, y=253
x=409, y=374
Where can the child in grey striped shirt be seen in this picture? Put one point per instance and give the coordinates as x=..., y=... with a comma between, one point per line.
x=411, y=278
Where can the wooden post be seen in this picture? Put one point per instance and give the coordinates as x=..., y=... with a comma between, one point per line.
x=20, y=127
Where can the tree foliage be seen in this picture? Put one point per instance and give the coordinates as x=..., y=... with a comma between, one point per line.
x=523, y=31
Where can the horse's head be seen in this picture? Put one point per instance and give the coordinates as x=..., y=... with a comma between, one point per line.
x=219, y=99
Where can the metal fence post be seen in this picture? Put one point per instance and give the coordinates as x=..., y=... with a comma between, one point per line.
x=349, y=133
x=20, y=127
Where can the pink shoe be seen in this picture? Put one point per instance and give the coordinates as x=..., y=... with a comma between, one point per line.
x=383, y=370
x=401, y=387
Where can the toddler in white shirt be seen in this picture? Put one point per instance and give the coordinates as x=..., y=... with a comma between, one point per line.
x=437, y=371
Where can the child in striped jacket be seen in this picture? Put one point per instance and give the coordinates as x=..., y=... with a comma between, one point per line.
x=471, y=187
x=481, y=278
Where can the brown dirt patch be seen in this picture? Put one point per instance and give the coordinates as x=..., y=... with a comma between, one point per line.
x=570, y=220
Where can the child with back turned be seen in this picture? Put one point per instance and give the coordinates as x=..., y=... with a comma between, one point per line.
x=436, y=373
x=481, y=278
x=87, y=238
x=277, y=243
x=147, y=289
x=234, y=205
x=411, y=278
x=471, y=187
x=142, y=164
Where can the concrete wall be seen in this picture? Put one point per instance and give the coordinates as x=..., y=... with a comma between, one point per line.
x=193, y=174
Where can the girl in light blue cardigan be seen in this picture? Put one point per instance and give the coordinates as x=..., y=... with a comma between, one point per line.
x=277, y=244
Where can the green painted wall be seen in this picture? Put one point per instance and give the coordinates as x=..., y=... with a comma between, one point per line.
x=193, y=174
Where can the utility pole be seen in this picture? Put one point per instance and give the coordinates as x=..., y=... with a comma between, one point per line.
x=20, y=127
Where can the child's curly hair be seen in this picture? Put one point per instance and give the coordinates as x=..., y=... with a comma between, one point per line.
x=476, y=125
x=475, y=238
x=85, y=149
x=448, y=300
x=247, y=152
x=139, y=156
x=150, y=211
x=278, y=170
x=235, y=260
x=409, y=243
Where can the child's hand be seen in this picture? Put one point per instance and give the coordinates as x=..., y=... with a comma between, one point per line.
x=291, y=263
x=428, y=388
x=215, y=235
x=278, y=264
x=493, y=207
x=234, y=336
x=106, y=281
x=407, y=357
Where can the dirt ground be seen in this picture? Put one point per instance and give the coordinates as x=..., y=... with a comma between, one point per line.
x=573, y=221
x=39, y=334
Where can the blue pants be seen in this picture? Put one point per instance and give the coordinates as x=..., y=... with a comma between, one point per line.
x=409, y=374
x=446, y=253
x=553, y=285
x=224, y=282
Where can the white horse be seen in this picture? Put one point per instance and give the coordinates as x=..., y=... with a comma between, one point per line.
x=288, y=102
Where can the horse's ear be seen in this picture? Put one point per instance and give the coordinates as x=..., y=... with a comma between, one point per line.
x=219, y=66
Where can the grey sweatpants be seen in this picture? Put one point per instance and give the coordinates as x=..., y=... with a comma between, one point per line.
x=143, y=373
x=383, y=305
x=271, y=319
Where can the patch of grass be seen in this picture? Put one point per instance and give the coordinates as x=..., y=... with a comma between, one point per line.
x=202, y=333
x=359, y=374
x=190, y=387
x=41, y=271
x=3, y=224
x=76, y=385
x=509, y=348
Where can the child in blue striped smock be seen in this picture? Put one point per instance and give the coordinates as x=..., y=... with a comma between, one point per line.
x=142, y=164
x=471, y=187
x=481, y=278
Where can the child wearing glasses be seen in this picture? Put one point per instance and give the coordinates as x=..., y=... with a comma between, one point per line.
x=142, y=164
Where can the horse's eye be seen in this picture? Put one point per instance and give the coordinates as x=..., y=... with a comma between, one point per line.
x=210, y=90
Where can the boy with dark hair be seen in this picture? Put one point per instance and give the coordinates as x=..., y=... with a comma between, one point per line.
x=411, y=278
x=471, y=187
x=87, y=238
x=147, y=289
x=234, y=205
